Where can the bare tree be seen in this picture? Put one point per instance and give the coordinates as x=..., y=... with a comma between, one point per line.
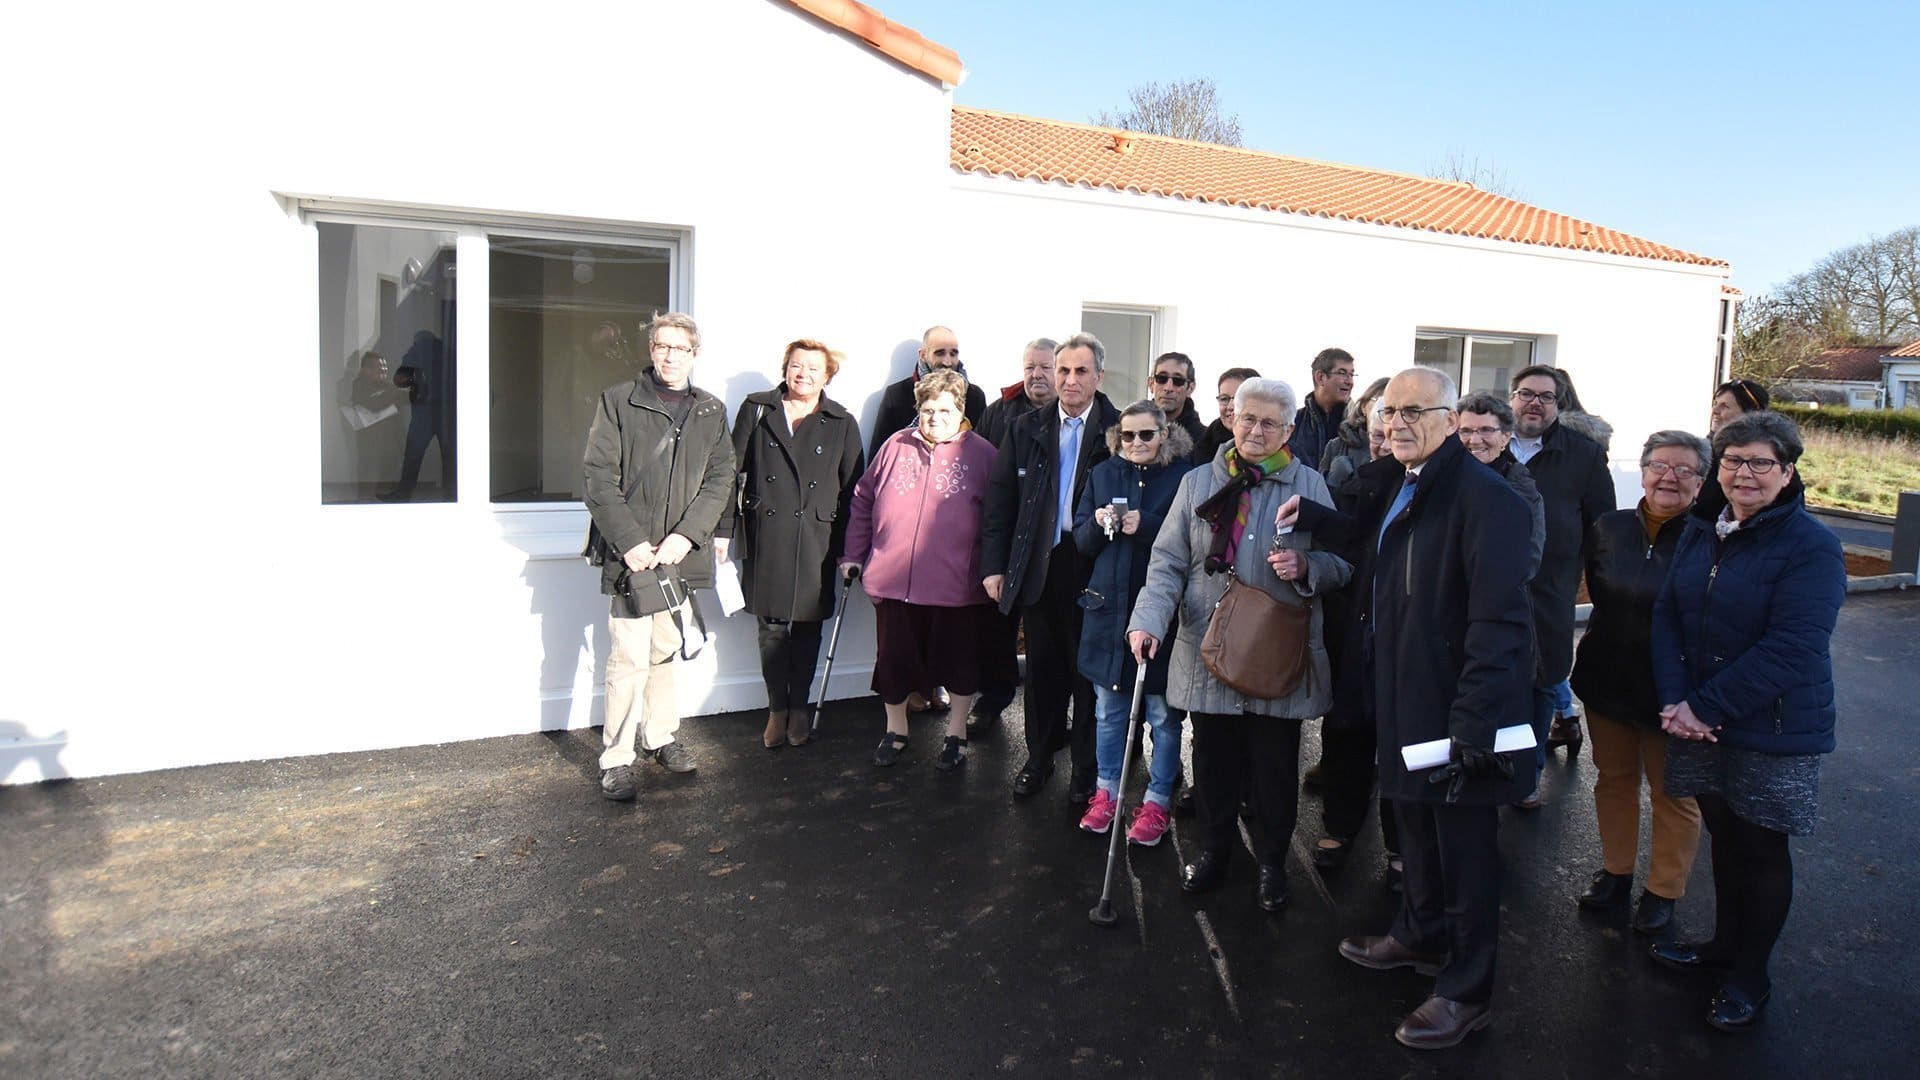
x=1869, y=292
x=1487, y=177
x=1184, y=109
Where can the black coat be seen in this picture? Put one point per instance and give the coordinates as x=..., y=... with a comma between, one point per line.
x=646, y=479
x=791, y=517
x=1576, y=487
x=1207, y=446
x=1313, y=429
x=1023, y=514
x=1189, y=420
x=897, y=411
x=997, y=421
x=1613, y=669
x=1444, y=596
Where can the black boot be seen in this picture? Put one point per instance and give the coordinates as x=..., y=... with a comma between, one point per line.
x=1607, y=891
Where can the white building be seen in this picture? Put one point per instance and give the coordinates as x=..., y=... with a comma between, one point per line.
x=218, y=215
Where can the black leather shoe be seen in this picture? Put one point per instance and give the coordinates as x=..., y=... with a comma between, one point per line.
x=1384, y=953
x=1607, y=891
x=1031, y=777
x=1204, y=873
x=982, y=719
x=1271, y=891
x=1183, y=803
x=1733, y=1009
x=1080, y=788
x=1328, y=858
x=1442, y=1022
x=1685, y=955
x=1653, y=915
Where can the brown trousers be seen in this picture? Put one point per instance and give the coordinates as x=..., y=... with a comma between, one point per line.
x=1624, y=753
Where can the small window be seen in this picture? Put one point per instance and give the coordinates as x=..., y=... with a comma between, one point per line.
x=1475, y=361
x=387, y=351
x=1128, y=334
x=566, y=320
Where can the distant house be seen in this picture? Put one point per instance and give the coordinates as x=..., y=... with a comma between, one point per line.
x=1860, y=377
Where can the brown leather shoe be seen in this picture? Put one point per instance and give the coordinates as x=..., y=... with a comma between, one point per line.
x=1384, y=953
x=799, y=727
x=775, y=736
x=1439, y=1023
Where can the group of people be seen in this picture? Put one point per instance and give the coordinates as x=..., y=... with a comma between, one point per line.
x=1426, y=548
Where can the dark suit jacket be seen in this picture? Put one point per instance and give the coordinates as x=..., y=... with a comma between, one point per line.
x=1023, y=514
x=1576, y=488
x=897, y=412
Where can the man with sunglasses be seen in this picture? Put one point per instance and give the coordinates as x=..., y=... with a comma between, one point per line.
x=1318, y=421
x=1171, y=387
x=1576, y=488
x=939, y=348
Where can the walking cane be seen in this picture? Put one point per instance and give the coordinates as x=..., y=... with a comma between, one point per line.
x=839, y=616
x=1102, y=912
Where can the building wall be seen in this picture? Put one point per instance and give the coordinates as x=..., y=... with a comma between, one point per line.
x=176, y=594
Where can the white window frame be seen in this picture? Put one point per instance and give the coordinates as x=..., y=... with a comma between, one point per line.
x=1156, y=338
x=1533, y=343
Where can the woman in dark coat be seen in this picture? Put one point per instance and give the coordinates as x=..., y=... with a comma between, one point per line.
x=1149, y=458
x=1741, y=634
x=799, y=456
x=1628, y=555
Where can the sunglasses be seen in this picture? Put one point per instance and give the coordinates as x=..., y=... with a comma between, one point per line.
x=1165, y=379
x=1144, y=436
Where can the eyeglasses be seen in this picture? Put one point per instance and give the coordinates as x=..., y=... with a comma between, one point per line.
x=1680, y=472
x=678, y=350
x=1759, y=466
x=1543, y=397
x=1480, y=432
x=1265, y=426
x=1342, y=373
x=1410, y=413
x=1144, y=436
x=1223, y=400
x=1164, y=379
x=955, y=351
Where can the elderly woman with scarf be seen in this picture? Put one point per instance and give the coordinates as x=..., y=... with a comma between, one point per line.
x=1221, y=527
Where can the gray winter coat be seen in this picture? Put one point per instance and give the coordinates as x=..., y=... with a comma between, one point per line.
x=645, y=479
x=1177, y=583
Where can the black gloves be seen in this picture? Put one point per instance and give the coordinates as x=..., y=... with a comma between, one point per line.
x=1465, y=761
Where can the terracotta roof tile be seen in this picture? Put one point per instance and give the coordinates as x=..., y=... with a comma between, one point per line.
x=899, y=42
x=1860, y=364
x=1911, y=348
x=1080, y=155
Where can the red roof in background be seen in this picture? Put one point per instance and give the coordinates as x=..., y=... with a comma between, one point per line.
x=899, y=42
x=1861, y=364
x=1911, y=348
x=1052, y=151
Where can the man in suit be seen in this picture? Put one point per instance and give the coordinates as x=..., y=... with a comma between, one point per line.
x=1442, y=602
x=1030, y=563
x=939, y=348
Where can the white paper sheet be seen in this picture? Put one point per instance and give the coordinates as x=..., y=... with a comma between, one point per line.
x=726, y=585
x=1432, y=755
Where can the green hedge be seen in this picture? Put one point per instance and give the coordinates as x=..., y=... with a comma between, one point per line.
x=1885, y=423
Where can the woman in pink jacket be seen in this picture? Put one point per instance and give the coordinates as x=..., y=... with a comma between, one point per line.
x=914, y=536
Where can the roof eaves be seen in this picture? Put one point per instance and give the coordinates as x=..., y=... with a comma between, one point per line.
x=899, y=42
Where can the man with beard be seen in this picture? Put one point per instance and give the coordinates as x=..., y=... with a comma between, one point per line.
x=939, y=348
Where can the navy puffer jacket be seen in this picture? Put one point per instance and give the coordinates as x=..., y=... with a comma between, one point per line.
x=1742, y=627
x=1120, y=567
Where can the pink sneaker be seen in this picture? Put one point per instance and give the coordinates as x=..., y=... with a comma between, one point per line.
x=1149, y=824
x=1100, y=812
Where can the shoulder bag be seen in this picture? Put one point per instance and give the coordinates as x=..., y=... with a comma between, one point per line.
x=1256, y=644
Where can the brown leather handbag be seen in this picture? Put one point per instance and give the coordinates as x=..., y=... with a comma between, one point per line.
x=1256, y=644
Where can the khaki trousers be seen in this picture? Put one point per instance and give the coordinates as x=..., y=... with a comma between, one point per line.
x=641, y=699
x=1624, y=753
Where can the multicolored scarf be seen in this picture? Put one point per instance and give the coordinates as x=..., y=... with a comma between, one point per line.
x=1226, y=509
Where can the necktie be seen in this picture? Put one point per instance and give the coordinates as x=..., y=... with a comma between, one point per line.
x=1069, y=460
x=1400, y=501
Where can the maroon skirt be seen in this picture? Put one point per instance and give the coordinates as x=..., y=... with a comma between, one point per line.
x=921, y=647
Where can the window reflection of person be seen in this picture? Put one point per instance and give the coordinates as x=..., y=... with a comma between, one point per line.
x=426, y=372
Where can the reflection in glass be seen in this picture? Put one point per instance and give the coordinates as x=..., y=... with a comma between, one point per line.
x=1446, y=352
x=1495, y=360
x=567, y=320
x=386, y=364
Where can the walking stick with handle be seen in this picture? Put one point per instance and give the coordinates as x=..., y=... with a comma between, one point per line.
x=839, y=616
x=1102, y=912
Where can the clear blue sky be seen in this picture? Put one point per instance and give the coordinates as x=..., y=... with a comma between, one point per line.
x=1766, y=134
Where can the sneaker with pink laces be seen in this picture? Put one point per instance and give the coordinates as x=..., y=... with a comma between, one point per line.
x=1100, y=812
x=1149, y=824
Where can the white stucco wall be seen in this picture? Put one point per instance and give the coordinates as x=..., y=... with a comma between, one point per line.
x=175, y=593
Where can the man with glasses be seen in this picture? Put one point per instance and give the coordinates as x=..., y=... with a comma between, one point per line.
x=1318, y=421
x=1030, y=564
x=939, y=348
x=1171, y=387
x=1576, y=487
x=659, y=473
x=1220, y=432
x=1442, y=606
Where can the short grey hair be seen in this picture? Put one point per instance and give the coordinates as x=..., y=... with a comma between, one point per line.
x=1487, y=404
x=1271, y=391
x=1449, y=390
x=1660, y=440
x=674, y=320
x=1046, y=343
x=1767, y=427
x=1085, y=340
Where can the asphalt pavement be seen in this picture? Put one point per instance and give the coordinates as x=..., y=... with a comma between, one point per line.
x=477, y=909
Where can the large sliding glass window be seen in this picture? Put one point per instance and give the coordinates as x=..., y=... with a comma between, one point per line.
x=1475, y=361
x=567, y=320
x=387, y=356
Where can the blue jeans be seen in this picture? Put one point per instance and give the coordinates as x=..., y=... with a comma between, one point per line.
x=1110, y=742
x=1541, y=719
x=1563, y=698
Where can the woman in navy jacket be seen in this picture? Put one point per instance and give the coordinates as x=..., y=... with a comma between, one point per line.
x=1149, y=458
x=1740, y=656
